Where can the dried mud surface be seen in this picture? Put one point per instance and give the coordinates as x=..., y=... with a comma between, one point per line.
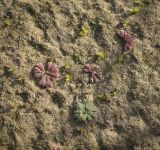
x=32, y=118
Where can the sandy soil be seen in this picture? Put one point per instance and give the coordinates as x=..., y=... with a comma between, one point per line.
x=32, y=118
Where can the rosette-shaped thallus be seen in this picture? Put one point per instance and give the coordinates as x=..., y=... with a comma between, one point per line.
x=45, y=74
x=93, y=72
x=127, y=39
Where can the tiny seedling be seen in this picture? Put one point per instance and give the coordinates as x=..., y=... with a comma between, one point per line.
x=125, y=23
x=106, y=96
x=66, y=66
x=138, y=2
x=84, y=31
x=8, y=71
x=68, y=77
x=137, y=9
x=77, y=56
x=120, y=58
x=102, y=97
x=79, y=131
x=134, y=10
x=100, y=54
x=20, y=80
x=84, y=111
x=7, y=22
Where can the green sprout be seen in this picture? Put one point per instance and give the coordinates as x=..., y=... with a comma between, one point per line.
x=8, y=71
x=125, y=23
x=100, y=54
x=121, y=58
x=84, y=111
x=138, y=2
x=7, y=22
x=84, y=31
x=77, y=56
x=134, y=10
x=68, y=77
x=79, y=130
x=20, y=80
x=137, y=9
x=104, y=97
x=66, y=66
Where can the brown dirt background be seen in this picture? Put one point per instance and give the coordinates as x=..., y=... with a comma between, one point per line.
x=32, y=118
